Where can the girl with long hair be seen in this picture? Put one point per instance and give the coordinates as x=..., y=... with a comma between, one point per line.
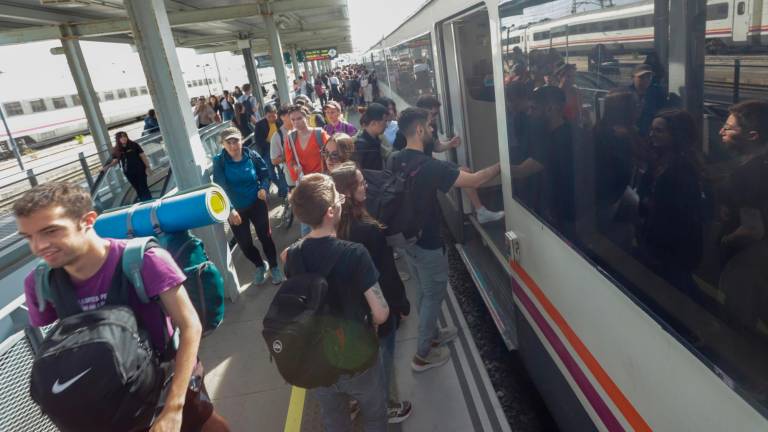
x=134, y=163
x=357, y=225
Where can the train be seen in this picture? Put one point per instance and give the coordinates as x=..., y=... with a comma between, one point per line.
x=40, y=120
x=730, y=24
x=611, y=339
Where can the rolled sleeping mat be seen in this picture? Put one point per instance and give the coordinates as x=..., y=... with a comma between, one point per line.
x=180, y=212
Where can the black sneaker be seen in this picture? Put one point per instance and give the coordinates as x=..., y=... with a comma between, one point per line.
x=397, y=412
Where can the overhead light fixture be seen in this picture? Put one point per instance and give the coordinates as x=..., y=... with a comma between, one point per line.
x=65, y=3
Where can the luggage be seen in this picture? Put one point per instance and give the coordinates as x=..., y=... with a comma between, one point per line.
x=390, y=200
x=306, y=341
x=96, y=370
x=204, y=284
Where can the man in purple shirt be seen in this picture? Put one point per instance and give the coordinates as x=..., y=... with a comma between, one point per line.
x=57, y=219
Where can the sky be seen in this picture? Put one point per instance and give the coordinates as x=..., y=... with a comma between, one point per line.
x=372, y=20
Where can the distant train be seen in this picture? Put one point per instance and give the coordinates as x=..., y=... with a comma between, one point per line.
x=45, y=120
x=733, y=23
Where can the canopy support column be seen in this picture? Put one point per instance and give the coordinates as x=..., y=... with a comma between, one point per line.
x=686, y=54
x=253, y=77
x=295, y=64
x=87, y=94
x=277, y=58
x=157, y=51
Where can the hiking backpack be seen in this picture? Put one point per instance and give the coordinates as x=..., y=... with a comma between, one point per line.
x=305, y=339
x=96, y=370
x=390, y=200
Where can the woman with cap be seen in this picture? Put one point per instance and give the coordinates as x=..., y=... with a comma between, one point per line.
x=368, y=144
x=335, y=122
x=244, y=176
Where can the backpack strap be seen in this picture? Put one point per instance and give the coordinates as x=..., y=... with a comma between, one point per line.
x=291, y=142
x=153, y=216
x=133, y=257
x=129, y=221
x=319, y=138
x=42, y=284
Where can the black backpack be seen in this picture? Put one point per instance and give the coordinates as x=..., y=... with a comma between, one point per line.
x=96, y=370
x=306, y=340
x=390, y=200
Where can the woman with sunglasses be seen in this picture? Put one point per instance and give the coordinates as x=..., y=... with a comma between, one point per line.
x=337, y=150
x=357, y=225
x=244, y=176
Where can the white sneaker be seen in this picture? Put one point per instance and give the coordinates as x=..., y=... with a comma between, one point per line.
x=445, y=335
x=484, y=215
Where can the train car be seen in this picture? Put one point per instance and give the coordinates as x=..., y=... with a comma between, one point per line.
x=730, y=24
x=39, y=120
x=617, y=332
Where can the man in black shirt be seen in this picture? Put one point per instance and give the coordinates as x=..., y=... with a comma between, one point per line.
x=744, y=244
x=426, y=258
x=353, y=294
x=368, y=144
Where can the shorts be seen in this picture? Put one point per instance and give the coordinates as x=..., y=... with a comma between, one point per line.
x=198, y=407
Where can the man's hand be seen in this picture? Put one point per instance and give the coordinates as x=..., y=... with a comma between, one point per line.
x=262, y=194
x=454, y=142
x=169, y=420
x=234, y=218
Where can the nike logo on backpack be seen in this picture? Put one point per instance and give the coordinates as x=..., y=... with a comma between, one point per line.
x=58, y=388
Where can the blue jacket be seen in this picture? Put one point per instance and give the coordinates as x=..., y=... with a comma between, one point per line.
x=241, y=180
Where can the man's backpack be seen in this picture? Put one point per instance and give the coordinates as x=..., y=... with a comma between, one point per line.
x=312, y=346
x=390, y=200
x=96, y=370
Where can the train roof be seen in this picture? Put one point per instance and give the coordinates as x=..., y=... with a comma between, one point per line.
x=205, y=25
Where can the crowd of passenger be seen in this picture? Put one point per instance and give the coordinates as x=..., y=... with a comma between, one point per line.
x=638, y=175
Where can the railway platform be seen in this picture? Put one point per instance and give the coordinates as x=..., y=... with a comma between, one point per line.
x=249, y=392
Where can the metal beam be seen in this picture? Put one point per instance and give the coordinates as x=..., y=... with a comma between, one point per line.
x=276, y=49
x=311, y=30
x=36, y=14
x=342, y=45
x=179, y=18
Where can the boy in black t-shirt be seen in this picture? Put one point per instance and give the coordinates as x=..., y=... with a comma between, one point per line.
x=426, y=257
x=353, y=293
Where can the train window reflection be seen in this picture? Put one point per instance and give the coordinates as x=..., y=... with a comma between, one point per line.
x=412, y=72
x=13, y=108
x=674, y=207
x=37, y=105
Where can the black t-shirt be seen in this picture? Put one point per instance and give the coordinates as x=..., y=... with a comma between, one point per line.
x=368, y=152
x=433, y=175
x=350, y=277
x=130, y=159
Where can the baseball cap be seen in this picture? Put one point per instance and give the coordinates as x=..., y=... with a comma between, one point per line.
x=642, y=69
x=231, y=132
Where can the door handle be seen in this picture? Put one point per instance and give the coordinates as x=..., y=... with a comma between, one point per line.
x=514, y=245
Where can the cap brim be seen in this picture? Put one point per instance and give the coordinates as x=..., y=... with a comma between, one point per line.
x=238, y=136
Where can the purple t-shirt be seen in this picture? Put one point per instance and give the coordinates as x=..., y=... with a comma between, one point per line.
x=342, y=126
x=158, y=271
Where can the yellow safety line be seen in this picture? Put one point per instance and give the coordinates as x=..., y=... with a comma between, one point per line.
x=295, y=410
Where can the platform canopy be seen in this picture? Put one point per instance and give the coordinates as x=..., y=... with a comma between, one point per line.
x=204, y=25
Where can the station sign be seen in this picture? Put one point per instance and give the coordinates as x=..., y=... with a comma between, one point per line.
x=263, y=61
x=320, y=54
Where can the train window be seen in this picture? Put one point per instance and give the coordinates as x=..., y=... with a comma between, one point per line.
x=59, y=102
x=121, y=94
x=602, y=153
x=133, y=91
x=108, y=96
x=13, y=108
x=75, y=100
x=38, y=105
x=189, y=84
x=414, y=70
x=144, y=90
x=717, y=11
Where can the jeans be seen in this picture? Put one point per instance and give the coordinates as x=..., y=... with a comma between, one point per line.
x=258, y=215
x=387, y=348
x=276, y=175
x=430, y=269
x=367, y=389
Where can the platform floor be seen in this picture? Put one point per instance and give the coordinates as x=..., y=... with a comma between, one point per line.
x=249, y=392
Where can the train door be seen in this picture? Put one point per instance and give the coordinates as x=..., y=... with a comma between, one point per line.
x=741, y=20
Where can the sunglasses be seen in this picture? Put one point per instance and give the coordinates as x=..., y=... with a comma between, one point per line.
x=334, y=156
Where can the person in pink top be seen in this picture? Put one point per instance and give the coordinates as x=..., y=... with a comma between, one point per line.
x=57, y=220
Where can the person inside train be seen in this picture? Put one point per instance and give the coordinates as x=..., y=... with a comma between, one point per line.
x=353, y=291
x=358, y=226
x=517, y=96
x=244, y=176
x=744, y=213
x=671, y=211
x=368, y=151
x=151, y=125
x=134, y=163
x=616, y=142
x=551, y=158
x=650, y=98
x=335, y=123
x=432, y=105
x=563, y=78
x=426, y=257
x=57, y=218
